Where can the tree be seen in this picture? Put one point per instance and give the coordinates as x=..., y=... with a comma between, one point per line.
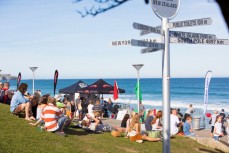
x=106, y=5
x=224, y=9
x=102, y=6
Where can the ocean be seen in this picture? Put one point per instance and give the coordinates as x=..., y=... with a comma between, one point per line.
x=184, y=91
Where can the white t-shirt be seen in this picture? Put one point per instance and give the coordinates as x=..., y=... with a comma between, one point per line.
x=189, y=110
x=156, y=124
x=213, y=119
x=86, y=118
x=174, y=121
x=218, y=127
x=90, y=111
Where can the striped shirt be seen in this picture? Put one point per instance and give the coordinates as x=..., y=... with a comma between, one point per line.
x=50, y=116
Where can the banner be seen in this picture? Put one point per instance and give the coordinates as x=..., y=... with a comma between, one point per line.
x=207, y=82
x=138, y=91
x=18, y=79
x=55, y=80
x=115, y=96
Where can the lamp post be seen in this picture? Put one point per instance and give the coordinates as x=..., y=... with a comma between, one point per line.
x=33, y=70
x=138, y=67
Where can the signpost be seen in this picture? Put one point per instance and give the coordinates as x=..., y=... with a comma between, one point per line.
x=141, y=43
x=140, y=26
x=149, y=50
x=190, y=23
x=166, y=10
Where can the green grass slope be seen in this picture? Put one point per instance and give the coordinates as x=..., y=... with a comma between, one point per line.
x=16, y=135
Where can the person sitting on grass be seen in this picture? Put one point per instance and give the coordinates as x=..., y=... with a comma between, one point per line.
x=187, y=127
x=41, y=106
x=149, y=119
x=19, y=103
x=157, y=126
x=174, y=122
x=52, y=116
x=134, y=131
x=218, y=131
x=123, y=124
x=91, y=121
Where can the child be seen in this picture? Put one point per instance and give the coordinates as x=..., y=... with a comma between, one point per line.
x=187, y=129
x=218, y=132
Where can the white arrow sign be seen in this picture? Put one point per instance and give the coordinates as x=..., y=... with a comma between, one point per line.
x=199, y=41
x=120, y=43
x=146, y=28
x=141, y=43
x=190, y=23
x=144, y=32
x=191, y=35
x=149, y=50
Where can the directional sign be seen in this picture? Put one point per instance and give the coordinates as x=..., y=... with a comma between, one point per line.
x=199, y=41
x=141, y=43
x=120, y=43
x=190, y=23
x=144, y=32
x=149, y=50
x=165, y=8
x=140, y=26
x=191, y=35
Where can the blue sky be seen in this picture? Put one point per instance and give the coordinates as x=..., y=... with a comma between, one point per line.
x=50, y=34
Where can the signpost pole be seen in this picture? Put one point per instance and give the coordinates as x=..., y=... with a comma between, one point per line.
x=166, y=87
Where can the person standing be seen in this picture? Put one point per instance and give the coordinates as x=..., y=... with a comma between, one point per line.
x=222, y=113
x=141, y=111
x=109, y=107
x=213, y=119
x=218, y=131
x=188, y=112
x=90, y=106
x=84, y=105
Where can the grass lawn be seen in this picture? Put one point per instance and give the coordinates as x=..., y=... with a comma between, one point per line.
x=16, y=135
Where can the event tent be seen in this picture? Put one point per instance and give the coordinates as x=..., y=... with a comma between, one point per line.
x=99, y=87
x=72, y=89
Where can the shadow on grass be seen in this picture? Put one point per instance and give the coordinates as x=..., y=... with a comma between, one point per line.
x=70, y=131
x=209, y=151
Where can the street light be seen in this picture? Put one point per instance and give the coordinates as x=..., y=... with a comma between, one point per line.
x=138, y=67
x=33, y=70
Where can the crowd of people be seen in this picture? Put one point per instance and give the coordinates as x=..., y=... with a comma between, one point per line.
x=179, y=125
x=54, y=113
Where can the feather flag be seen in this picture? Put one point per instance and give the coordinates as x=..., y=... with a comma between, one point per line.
x=18, y=79
x=115, y=96
x=207, y=82
x=138, y=91
x=55, y=80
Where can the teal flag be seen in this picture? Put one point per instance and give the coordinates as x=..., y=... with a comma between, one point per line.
x=137, y=92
